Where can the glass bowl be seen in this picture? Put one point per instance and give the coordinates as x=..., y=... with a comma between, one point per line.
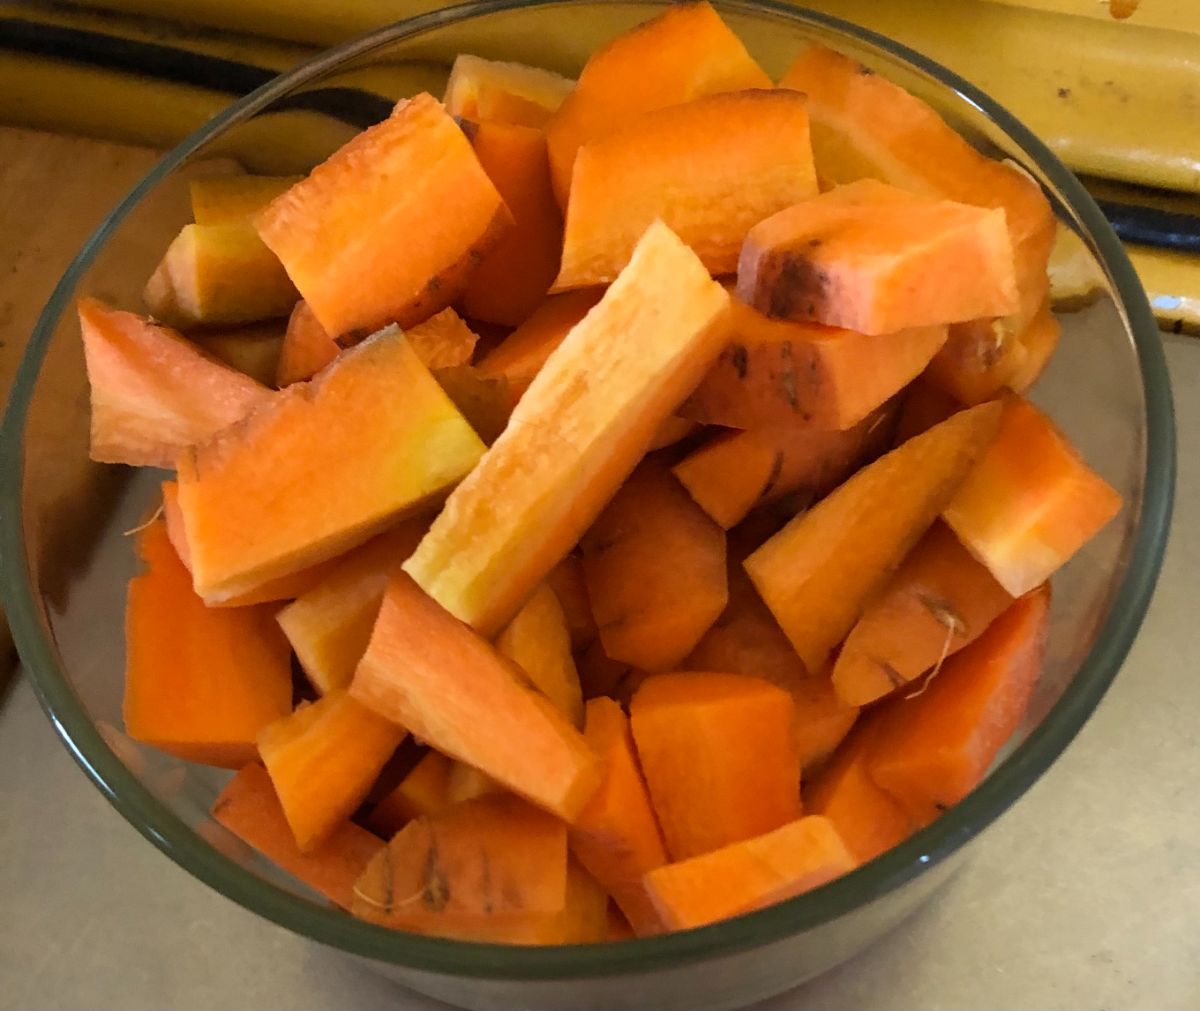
x=66, y=561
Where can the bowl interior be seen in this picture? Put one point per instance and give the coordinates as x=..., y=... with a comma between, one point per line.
x=64, y=518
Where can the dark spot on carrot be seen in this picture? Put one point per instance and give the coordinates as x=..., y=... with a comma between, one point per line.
x=940, y=806
x=865, y=71
x=389, y=894
x=739, y=358
x=798, y=282
x=893, y=675
x=787, y=379
x=773, y=476
x=352, y=337
x=1064, y=92
x=943, y=613
x=434, y=284
x=435, y=891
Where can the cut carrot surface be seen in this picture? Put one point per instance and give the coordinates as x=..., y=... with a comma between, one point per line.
x=493, y=91
x=868, y=819
x=932, y=749
x=322, y=760
x=937, y=601
x=616, y=837
x=575, y=435
x=443, y=341
x=710, y=169
x=307, y=348
x=654, y=565
x=249, y=808
x=1032, y=501
x=421, y=792
x=513, y=277
x=428, y=671
x=817, y=574
x=416, y=232
x=748, y=875
x=778, y=373
x=684, y=53
x=735, y=472
x=329, y=624
x=153, y=392
x=199, y=683
x=719, y=755
x=247, y=522
x=538, y=641
x=873, y=258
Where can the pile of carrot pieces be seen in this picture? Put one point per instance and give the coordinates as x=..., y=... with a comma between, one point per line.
x=642, y=481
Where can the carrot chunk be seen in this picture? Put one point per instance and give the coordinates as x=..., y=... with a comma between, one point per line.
x=492, y=91
x=567, y=582
x=719, y=755
x=422, y=792
x=537, y=641
x=307, y=348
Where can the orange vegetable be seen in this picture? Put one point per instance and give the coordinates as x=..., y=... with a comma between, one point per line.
x=734, y=472
x=1031, y=502
x=417, y=207
x=619, y=928
x=485, y=401
x=490, y=91
x=421, y=792
x=868, y=820
x=251, y=506
x=199, y=683
x=937, y=601
x=465, y=782
x=749, y=875
x=154, y=392
x=575, y=435
x=817, y=574
x=1038, y=342
x=428, y=671
x=746, y=640
x=329, y=624
x=934, y=748
x=283, y=588
x=684, y=53
x=443, y=341
x=521, y=355
x=719, y=755
x=537, y=641
x=226, y=200
x=322, y=759
x=567, y=582
x=513, y=277
x=252, y=349
x=922, y=406
x=778, y=373
x=654, y=564
x=616, y=837
x=249, y=808
x=673, y=429
x=874, y=258
x=491, y=869
x=307, y=348
x=710, y=169
x=600, y=674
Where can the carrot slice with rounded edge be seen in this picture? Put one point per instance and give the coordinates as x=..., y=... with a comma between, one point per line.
x=422, y=792
x=873, y=258
x=322, y=759
x=719, y=755
x=654, y=564
x=934, y=747
x=685, y=52
x=937, y=601
x=748, y=875
x=710, y=169
x=818, y=573
x=250, y=809
x=1031, y=502
x=431, y=673
x=616, y=837
x=200, y=683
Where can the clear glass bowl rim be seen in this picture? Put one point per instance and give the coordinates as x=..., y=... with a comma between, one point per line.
x=1012, y=778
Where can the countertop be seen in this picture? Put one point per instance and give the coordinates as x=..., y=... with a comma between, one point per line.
x=1085, y=895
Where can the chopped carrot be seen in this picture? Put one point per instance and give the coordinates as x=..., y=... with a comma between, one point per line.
x=601, y=675
x=307, y=348
x=514, y=275
x=710, y=169
x=719, y=755
x=567, y=582
x=684, y=53
x=877, y=259
x=322, y=759
x=485, y=401
x=250, y=809
x=937, y=601
x=817, y=574
x=443, y=341
x=537, y=641
x=492, y=91
x=428, y=671
x=868, y=820
x=465, y=782
x=933, y=748
x=200, y=683
x=616, y=837
x=654, y=564
x=922, y=406
x=421, y=792
x=1038, y=342
x=1031, y=502
x=750, y=874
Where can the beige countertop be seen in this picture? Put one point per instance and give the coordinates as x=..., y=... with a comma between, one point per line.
x=1085, y=895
